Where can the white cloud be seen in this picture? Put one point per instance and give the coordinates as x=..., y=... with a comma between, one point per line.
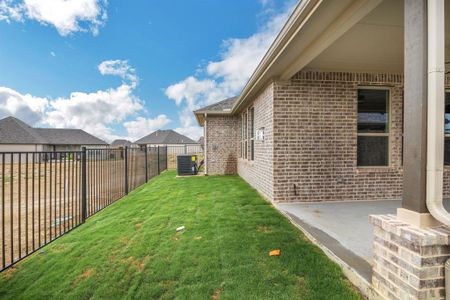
x=193, y=132
x=26, y=107
x=119, y=68
x=98, y=113
x=143, y=126
x=67, y=16
x=93, y=112
x=226, y=77
x=10, y=12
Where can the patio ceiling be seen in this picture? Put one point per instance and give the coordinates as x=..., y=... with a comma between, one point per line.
x=374, y=44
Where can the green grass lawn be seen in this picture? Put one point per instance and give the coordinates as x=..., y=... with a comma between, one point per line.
x=131, y=250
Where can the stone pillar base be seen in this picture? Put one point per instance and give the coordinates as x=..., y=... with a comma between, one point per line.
x=408, y=262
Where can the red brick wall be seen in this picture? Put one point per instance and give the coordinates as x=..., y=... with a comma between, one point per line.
x=221, y=145
x=259, y=172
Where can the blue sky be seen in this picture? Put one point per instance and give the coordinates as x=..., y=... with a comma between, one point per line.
x=126, y=68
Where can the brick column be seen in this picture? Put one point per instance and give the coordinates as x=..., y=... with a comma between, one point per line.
x=408, y=262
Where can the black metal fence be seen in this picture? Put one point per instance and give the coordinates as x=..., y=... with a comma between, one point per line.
x=47, y=194
x=174, y=150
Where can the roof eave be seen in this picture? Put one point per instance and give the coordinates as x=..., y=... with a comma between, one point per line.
x=322, y=23
x=301, y=13
x=200, y=115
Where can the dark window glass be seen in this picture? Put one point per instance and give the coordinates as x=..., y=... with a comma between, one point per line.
x=373, y=127
x=447, y=113
x=252, y=149
x=252, y=133
x=447, y=151
x=373, y=150
x=447, y=130
x=373, y=110
x=245, y=135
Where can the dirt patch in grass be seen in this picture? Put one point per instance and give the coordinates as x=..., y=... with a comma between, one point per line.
x=87, y=273
x=138, y=226
x=264, y=229
x=216, y=295
x=137, y=264
x=124, y=240
x=59, y=248
x=8, y=273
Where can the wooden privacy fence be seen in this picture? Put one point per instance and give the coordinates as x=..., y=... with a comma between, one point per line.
x=47, y=194
x=174, y=150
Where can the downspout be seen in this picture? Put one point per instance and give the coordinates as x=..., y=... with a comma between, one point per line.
x=206, y=143
x=435, y=113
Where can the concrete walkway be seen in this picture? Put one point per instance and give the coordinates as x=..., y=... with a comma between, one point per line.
x=342, y=227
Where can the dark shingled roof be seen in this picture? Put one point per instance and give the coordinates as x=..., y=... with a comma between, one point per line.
x=165, y=137
x=121, y=143
x=224, y=105
x=201, y=140
x=14, y=131
x=63, y=136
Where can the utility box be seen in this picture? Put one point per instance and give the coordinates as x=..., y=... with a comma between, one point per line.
x=186, y=165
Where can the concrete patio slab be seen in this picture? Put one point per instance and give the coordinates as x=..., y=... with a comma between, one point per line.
x=343, y=230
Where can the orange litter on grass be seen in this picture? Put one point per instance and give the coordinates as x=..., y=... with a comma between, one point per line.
x=275, y=252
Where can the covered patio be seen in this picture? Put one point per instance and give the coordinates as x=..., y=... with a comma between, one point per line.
x=405, y=257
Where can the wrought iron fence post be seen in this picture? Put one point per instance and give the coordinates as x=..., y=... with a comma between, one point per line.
x=83, y=184
x=146, y=165
x=159, y=172
x=167, y=160
x=126, y=170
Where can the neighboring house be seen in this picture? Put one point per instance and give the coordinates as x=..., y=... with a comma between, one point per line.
x=17, y=136
x=167, y=137
x=121, y=143
x=322, y=119
x=201, y=141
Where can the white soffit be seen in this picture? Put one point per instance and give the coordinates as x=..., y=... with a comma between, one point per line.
x=374, y=44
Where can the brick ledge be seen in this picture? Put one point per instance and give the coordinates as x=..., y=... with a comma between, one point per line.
x=418, y=236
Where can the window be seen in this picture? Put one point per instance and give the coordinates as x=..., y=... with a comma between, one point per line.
x=252, y=133
x=373, y=127
x=245, y=134
x=447, y=129
x=242, y=136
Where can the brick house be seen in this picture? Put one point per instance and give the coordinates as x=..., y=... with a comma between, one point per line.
x=337, y=111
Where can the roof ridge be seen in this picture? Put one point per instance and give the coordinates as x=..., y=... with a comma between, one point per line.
x=165, y=136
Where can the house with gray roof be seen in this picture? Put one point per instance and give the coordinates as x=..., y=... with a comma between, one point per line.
x=166, y=137
x=121, y=143
x=220, y=108
x=17, y=136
